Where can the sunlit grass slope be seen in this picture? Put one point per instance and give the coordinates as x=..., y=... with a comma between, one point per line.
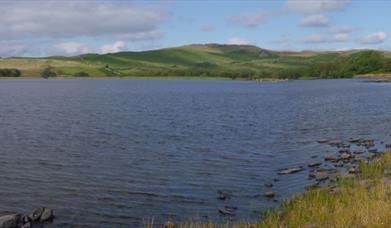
x=209, y=60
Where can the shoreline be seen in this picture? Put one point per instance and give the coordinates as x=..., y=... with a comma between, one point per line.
x=334, y=194
x=195, y=78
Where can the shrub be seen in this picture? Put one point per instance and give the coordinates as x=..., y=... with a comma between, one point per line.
x=81, y=74
x=10, y=72
x=48, y=73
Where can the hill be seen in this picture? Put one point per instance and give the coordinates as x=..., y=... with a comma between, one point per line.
x=209, y=60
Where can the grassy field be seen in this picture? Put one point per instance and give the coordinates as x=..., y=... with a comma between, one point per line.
x=360, y=201
x=211, y=60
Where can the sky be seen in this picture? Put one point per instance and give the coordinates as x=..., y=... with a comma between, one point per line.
x=72, y=27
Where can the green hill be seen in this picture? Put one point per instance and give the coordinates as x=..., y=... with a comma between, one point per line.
x=209, y=60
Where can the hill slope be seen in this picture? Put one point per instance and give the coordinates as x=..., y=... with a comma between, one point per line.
x=244, y=61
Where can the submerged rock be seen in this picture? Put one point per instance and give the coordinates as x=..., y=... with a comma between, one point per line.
x=268, y=185
x=222, y=195
x=290, y=170
x=323, y=141
x=330, y=157
x=269, y=194
x=345, y=156
x=314, y=164
x=227, y=211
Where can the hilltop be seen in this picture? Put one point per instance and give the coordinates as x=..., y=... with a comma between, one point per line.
x=209, y=60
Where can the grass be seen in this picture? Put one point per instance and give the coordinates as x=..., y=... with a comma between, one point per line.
x=211, y=60
x=360, y=201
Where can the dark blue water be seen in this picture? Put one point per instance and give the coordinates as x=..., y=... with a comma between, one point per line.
x=107, y=153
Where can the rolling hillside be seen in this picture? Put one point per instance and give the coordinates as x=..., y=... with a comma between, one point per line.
x=213, y=60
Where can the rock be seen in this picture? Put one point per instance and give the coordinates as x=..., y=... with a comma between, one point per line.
x=353, y=170
x=344, y=151
x=358, y=152
x=345, y=156
x=47, y=215
x=36, y=214
x=9, y=221
x=314, y=156
x=224, y=211
x=321, y=176
x=269, y=194
x=339, y=164
x=354, y=140
x=268, y=185
x=314, y=164
x=330, y=157
x=27, y=225
x=323, y=141
x=276, y=180
x=25, y=219
x=290, y=170
x=336, y=143
x=223, y=195
x=373, y=150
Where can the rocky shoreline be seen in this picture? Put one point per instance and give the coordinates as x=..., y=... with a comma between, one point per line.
x=341, y=160
x=37, y=218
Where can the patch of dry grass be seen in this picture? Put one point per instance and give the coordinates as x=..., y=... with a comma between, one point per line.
x=34, y=67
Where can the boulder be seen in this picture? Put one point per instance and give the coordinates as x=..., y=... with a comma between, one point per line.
x=36, y=214
x=47, y=215
x=290, y=170
x=27, y=225
x=9, y=221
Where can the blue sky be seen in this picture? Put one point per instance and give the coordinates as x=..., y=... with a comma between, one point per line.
x=49, y=27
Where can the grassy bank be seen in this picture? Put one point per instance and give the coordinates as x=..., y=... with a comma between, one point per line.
x=363, y=200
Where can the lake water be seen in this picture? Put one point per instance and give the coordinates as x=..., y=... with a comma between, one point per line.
x=106, y=153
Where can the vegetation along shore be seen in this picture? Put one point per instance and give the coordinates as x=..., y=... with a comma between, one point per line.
x=350, y=188
x=204, y=61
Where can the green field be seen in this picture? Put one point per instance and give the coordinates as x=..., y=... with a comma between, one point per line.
x=210, y=60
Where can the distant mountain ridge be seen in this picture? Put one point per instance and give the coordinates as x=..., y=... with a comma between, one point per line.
x=207, y=60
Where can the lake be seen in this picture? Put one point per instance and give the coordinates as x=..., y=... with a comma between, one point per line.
x=106, y=153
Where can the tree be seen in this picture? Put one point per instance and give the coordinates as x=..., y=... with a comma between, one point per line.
x=48, y=73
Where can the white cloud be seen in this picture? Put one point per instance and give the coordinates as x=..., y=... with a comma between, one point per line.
x=238, y=41
x=250, y=20
x=70, y=48
x=341, y=29
x=112, y=48
x=314, y=38
x=315, y=6
x=375, y=38
x=73, y=19
x=324, y=38
x=316, y=20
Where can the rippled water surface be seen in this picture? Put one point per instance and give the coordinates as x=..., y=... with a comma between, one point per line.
x=107, y=153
